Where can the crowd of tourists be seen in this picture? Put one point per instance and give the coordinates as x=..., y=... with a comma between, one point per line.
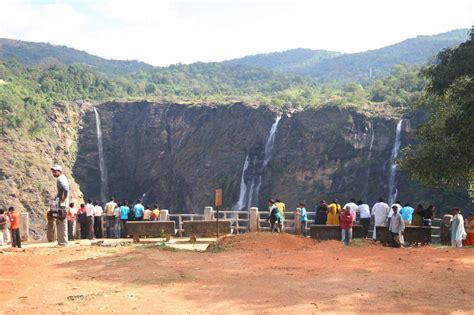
x=66, y=222
x=91, y=220
x=396, y=217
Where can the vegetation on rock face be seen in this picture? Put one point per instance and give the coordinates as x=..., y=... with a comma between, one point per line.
x=445, y=155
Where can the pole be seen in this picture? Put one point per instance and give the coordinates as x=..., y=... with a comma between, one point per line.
x=217, y=210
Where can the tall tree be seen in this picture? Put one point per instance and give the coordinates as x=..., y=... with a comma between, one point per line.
x=444, y=156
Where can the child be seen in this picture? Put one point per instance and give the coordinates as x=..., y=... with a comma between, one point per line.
x=155, y=214
x=71, y=218
x=347, y=219
x=303, y=218
x=15, y=227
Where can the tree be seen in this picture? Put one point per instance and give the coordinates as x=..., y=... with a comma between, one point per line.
x=444, y=156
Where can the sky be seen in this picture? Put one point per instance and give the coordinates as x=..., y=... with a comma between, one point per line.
x=163, y=32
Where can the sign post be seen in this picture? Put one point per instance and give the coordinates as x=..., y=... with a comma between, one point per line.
x=217, y=204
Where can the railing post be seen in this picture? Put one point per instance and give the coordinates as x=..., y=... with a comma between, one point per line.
x=164, y=215
x=208, y=213
x=297, y=221
x=24, y=226
x=180, y=227
x=253, y=224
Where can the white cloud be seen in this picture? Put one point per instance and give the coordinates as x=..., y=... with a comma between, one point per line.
x=164, y=32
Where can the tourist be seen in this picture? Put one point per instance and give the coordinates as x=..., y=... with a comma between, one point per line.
x=428, y=216
x=138, y=210
x=418, y=216
x=390, y=212
x=274, y=216
x=98, y=212
x=407, y=213
x=155, y=213
x=110, y=217
x=380, y=211
x=364, y=212
x=353, y=206
x=303, y=218
x=62, y=199
x=147, y=214
x=469, y=230
x=321, y=213
x=458, y=233
x=124, y=213
x=396, y=228
x=281, y=208
x=90, y=219
x=347, y=220
x=71, y=219
x=14, y=227
x=82, y=220
x=118, y=223
x=4, y=229
x=334, y=211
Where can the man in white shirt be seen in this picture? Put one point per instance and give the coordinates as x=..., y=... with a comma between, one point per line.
x=380, y=211
x=98, y=211
x=353, y=206
x=90, y=219
x=364, y=212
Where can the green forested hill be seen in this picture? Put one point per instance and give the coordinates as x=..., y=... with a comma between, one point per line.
x=289, y=60
x=333, y=67
x=44, y=54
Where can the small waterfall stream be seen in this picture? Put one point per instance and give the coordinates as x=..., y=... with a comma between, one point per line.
x=102, y=167
x=369, y=159
x=392, y=189
x=249, y=193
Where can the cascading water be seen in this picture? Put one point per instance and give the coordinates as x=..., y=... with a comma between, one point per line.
x=103, y=169
x=369, y=159
x=249, y=193
x=392, y=190
x=243, y=187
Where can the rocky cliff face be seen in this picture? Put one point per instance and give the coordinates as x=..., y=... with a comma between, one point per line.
x=178, y=154
x=25, y=177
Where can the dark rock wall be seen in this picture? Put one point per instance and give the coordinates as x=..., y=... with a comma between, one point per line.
x=178, y=154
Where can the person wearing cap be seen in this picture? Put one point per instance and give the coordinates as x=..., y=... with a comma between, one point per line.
x=396, y=228
x=62, y=197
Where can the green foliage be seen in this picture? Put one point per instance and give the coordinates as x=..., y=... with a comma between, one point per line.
x=445, y=155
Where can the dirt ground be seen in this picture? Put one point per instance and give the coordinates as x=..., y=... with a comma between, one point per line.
x=259, y=273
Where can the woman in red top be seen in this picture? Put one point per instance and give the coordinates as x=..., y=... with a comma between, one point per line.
x=347, y=220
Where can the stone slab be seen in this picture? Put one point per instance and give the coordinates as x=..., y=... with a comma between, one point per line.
x=332, y=232
x=206, y=228
x=150, y=228
x=412, y=234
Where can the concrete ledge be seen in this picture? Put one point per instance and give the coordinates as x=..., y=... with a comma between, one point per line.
x=332, y=232
x=205, y=228
x=150, y=228
x=412, y=234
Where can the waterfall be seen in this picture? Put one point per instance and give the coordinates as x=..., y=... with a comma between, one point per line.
x=243, y=187
x=103, y=169
x=369, y=158
x=268, y=156
x=270, y=142
x=392, y=190
x=248, y=194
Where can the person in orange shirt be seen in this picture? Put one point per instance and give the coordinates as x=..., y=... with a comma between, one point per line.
x=15, y=227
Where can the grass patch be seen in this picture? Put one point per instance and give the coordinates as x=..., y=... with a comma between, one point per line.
x=215, y=247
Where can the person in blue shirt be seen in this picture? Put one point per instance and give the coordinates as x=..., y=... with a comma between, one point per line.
x=407, y=213
x=124, y=211
x=303, y=218
x=138, y=210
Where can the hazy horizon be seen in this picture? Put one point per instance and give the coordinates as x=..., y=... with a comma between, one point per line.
x=169, y=32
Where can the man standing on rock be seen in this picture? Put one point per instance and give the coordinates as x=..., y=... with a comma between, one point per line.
x=62, y=199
